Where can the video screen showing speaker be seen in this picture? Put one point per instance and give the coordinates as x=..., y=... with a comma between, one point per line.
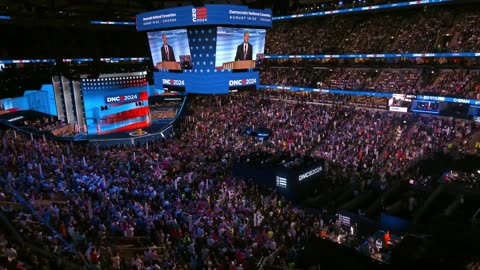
x=170, y=49
x=115, y=104
x=239, y=48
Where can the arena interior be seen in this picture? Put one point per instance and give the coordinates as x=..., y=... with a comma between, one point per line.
x=357, y=147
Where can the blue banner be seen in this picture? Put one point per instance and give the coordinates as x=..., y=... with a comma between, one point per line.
x=449, y=99
x=327, y=91
x=116, y=59
x=78, y=60
x=27, y=61
x=206, y=15
x=112, y=23
x=374, y=55
x=81, y=60
x=360, y=9
x=216, y=82
x=5, y=17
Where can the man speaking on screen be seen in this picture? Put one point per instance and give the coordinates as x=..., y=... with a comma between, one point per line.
x=167, y=50
x=244, y=50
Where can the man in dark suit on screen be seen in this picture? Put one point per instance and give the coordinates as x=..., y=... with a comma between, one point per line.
x=244, y=50
x=167, y=50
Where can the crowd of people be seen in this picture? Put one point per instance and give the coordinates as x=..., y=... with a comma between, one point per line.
x=302, y=77
x=52, y=126
x=180, y=196
x=370, y=36
x=467, y=34
x=423, y=33
x=308, y=6
x=16, y=254
x=440, y=29
x=453, y=82
x=456, y=83
x=164, y=110
x=177, y=202
x=395, y=81
x=323, y=36
x=351, y=79
x=470, y=180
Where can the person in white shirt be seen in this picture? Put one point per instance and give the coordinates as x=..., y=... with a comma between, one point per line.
x=378, y=244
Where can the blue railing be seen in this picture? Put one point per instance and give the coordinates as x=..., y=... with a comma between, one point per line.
x=372, y=94
x=112, y=23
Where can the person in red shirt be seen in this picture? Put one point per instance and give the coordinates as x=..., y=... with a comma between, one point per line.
x=386, y=238
x=323, y=234
x=94, y=256
x=239, y=257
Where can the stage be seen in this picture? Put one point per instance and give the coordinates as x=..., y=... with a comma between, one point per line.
x=157, y=130
x=19, y=121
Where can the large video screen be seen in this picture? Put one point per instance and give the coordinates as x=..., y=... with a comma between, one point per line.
x=115, y=104
x=237, y=44
x=170, y=46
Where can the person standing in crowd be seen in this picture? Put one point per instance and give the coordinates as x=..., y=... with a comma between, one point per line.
x=386, y=238
x=116, y=262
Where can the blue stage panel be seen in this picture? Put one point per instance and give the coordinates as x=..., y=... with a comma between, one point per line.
x=206, y=82
x=112, y=23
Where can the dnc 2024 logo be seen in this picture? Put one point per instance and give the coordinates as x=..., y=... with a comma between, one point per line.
x=199, y=14
x=173, y=82
x=242, y=82
x=124, y=98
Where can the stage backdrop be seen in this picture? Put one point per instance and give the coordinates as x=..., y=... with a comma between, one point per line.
x=217, y=82
x=115, y=104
